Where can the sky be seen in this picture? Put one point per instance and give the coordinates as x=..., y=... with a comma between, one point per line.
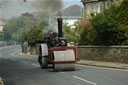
x=14, y=8
x=71, y=2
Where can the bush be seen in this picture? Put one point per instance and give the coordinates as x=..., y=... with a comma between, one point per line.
x=87, y=32
x=110, y=27
x=104, y=24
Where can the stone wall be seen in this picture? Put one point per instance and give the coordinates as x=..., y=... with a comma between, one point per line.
x=104, y=53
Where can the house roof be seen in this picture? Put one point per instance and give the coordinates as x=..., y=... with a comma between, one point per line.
x=27, y=14
x=88, y=1
x=73, y=11
x=84, y=1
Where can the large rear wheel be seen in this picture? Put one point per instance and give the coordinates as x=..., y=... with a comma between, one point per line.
x=44, y=62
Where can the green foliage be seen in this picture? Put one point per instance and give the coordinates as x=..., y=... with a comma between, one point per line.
x=85, y=38
x=86, y=31
x=105, y=24
x=110, y=27
x=124, y=42
x=1, y=36
x=25, y=0
x=123, y=13
x=36, y=34
x=22, y=29
x=70, y=33
x=13, y=29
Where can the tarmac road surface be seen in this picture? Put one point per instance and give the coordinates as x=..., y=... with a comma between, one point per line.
x=21, y=70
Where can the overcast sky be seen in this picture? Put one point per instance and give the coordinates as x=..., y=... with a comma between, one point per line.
x=17, y=7
x=71, y=2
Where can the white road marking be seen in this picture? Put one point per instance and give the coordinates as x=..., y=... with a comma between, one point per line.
x=13, y=54
x=104, y=68
x=35, y=65
x=85, y=80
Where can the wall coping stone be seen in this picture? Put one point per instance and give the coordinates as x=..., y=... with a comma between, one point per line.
x=92, y=46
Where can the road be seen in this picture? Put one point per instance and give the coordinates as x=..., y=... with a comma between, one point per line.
x=17, y=70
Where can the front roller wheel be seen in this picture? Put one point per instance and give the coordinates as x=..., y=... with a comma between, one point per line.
x=64, y=67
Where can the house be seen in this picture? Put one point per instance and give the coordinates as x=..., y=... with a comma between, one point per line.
x=1, y=28
x=96, y=6
x=30, y=16
x=1, y=20
x=70, y=14
x=1, y=25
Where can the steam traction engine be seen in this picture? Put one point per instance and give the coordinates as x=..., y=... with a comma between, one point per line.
x=56, y=52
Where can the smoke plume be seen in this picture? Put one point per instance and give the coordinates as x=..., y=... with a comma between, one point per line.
x=49, y=6
x=12, y=8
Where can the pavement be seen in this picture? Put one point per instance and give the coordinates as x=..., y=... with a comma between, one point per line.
x=104, y=64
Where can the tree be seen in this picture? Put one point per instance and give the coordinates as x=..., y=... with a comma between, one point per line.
x=70, y=33
x=110, y=27
x=14, y=28
x=25, y=0
x=1, y=36
x=36, y=34
x=123, y=20
x=87, y=33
